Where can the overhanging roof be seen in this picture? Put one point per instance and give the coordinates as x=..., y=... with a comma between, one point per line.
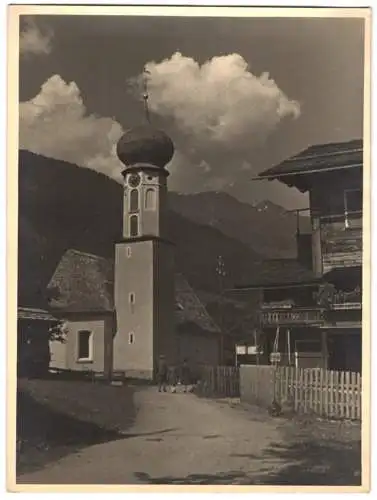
x=316, y=159
x=280, y=273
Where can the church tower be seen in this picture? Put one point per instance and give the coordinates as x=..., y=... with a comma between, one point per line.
x=144, y=269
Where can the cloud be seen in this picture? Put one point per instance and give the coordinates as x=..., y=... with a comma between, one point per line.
x=219, y=116
x=33, y=40
x=222, y=118
x=219, y=103
x=55, y=123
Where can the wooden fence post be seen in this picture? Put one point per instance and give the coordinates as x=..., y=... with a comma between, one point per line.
x=323, y=392
x=359, y=397
x=353, y=395
x=331, y=405
x=296, y=389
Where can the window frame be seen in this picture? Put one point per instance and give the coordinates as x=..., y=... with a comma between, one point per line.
x=154, y=204
x=136, y=216
x=346, y=211
x=89, y=358
x=131, y=209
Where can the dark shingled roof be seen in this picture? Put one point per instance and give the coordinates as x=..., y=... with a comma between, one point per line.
x=319, y=157
x=189, y=308
x=83, y=282
x=277, y=273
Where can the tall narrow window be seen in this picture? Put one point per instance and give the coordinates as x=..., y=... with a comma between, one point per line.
x=134, y=200
x=131, y=299
x=131, y=338
x=150, y=199
x=84, y=346
x=134, y=225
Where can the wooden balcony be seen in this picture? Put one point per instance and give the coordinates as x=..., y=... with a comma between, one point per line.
x=291, y=317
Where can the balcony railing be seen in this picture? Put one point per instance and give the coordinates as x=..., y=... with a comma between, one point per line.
x=342, y=301
x=276, y=317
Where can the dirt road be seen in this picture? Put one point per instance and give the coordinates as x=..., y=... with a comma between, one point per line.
x=175, y=439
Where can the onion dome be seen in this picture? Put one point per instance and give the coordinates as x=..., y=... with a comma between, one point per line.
x=145, y=145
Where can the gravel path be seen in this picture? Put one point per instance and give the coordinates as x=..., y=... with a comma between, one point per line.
x=175, y=439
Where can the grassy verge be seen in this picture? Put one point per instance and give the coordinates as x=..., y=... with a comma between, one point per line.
x=59, y=417
x=317, y=452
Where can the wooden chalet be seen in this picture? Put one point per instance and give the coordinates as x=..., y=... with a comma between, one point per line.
x=312, y=307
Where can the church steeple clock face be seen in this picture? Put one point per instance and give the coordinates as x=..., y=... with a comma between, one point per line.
x=134, y=180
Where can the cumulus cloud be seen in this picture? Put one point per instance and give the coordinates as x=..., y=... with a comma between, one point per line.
x=55, y=123
x=221, y=116
x=220, y=103
x=33, y=40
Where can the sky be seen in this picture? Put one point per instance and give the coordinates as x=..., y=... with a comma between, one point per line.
x=237, y=95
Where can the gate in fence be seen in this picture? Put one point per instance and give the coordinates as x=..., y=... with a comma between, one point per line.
x=219, y=381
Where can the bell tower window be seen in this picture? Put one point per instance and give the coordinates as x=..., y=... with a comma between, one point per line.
x=134, y=200
x=134, y=225
x=150, y=199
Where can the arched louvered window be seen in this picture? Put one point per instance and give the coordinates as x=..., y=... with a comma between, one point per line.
x=150, y=199
x=134, y=200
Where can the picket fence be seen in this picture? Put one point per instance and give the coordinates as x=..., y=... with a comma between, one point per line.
x=218, y=381
x=327, y=393
x=331, y=394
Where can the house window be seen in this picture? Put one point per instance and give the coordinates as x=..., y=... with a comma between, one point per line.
x=85, y=345
x=134, y=225
x=134, y=200
x=131, y=338
x=150, y=199
x=353, y=206
x=353, y=200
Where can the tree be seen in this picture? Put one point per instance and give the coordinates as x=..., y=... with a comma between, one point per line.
x=58, y=332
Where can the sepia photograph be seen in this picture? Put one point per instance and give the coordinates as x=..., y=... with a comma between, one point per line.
x=188, y=248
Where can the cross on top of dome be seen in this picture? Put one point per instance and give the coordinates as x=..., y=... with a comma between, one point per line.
x=145, y=144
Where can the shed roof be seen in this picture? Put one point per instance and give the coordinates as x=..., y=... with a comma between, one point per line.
x=189, y=308
x=280, y=273
x=32, y=313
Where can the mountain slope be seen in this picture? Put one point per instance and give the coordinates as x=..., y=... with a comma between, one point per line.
x=63, y=206
x=266, y=228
